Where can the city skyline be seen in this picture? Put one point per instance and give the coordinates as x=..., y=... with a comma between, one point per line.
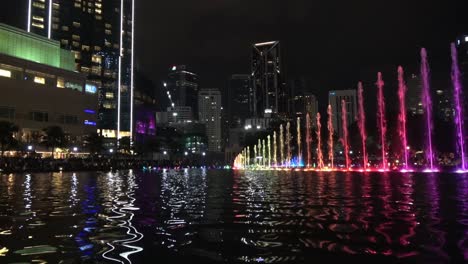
x=380, y=37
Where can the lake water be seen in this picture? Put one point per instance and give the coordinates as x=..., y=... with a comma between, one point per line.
x=221, y=216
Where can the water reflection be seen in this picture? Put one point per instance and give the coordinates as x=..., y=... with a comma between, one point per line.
x=233, y=217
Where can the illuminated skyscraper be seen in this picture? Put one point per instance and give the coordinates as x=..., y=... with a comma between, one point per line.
x=100, y=34
x=209, y=102
x=268, y=91
x=183, y=88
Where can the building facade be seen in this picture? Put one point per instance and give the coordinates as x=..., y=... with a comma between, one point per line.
x=209, y=102
x=182, y=86
x=239, y=104
x=335, y=98
x=39, y=88
x=269, y=94
x=100, y=35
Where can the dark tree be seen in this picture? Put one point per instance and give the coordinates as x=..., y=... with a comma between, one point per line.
x=7, y=129
x=95, y=143
x=54, y=137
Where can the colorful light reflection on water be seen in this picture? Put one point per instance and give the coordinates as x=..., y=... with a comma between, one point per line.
x=222, y=216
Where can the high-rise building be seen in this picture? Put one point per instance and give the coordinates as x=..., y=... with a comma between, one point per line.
x=209, y=102
x=269, y=95
x=335, y=98
x=238, y=99
x=413, y=96
x=183, y=88
x=100, y=34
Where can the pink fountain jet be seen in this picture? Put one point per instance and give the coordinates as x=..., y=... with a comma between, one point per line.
x=381, y=121
x=344, y=119
x=362, y=125
x=402, y=89
x=427, y=104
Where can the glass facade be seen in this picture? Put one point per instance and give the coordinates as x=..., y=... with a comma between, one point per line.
x=18, y=43
x=100, y=35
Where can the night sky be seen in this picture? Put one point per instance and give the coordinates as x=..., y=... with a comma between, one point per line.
x=333, y=44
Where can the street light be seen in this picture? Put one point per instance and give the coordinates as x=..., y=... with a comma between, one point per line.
x=75, y=149
x=204, y=154
x=185, y=153
x=111, y=150
x=165, y=152
x=30, y=147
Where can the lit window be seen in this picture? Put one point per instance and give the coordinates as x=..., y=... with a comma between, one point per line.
x=5, y=73
x=466, y=39
x=38, y=18
x=76, y=24
x=108, y=32
x=60, y=83
x=96, y=59
x=40, y=80
x=65, y=28
x=39, y=5
x=109, y=95
x=75, y=37
x=34, y=24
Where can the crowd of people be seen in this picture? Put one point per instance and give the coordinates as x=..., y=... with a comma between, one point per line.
x=33, y=164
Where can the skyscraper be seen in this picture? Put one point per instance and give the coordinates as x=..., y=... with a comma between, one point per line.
x=268, y=92
x=209, y=102
x=100, y=34
x=335, y=98
x=238, y=99
x=183, y=88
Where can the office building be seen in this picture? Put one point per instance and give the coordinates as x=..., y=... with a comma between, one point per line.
x=269, y=95
x=209, y=102
x=182, y=86
x=238, y=97
x=39, y=88
x=335, y=98
x=100, y=34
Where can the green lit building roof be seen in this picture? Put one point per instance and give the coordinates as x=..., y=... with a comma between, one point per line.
x=28, y=46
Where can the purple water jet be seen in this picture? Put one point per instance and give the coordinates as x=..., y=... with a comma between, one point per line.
x=427, y=104
x=457, y=93
x=381, y=121
x=344, y=120
x=402, y=89
x=362, y=124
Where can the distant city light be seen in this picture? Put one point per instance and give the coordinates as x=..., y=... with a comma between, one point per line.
x=75, y=149
x=30, y=147
x=204, y=154
x=258, y=127
x=89, y=111
x=111, y=150
x=466, y=39
x=185, y=153
x=174, y=68
x=268, y=111
x=165, y=84
x=165, y=152
x=174, y=114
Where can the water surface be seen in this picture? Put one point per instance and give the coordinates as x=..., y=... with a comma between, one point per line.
x=220, y=216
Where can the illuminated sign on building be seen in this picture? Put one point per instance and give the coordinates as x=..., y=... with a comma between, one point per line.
x=89, y=123
x=89, y=88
